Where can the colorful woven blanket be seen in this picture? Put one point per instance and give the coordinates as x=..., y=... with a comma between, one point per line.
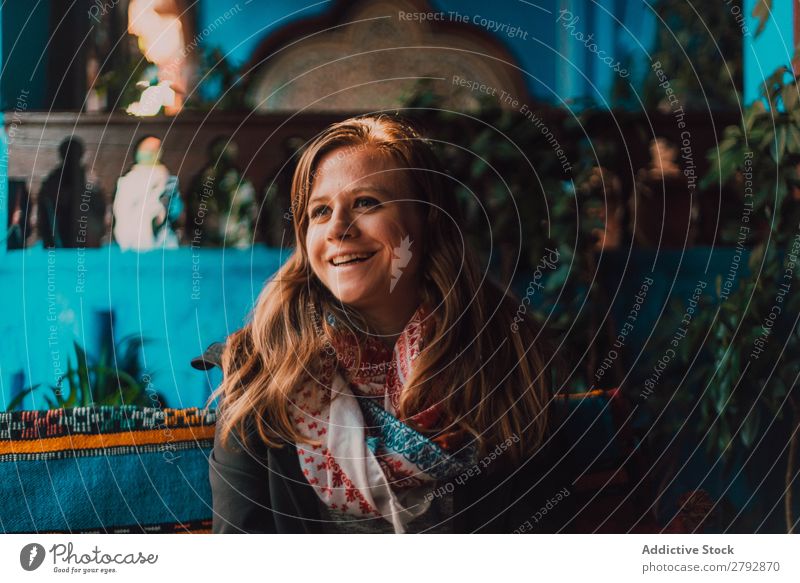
x=105, y=469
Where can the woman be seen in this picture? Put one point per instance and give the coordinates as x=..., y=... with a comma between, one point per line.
x=379, y=386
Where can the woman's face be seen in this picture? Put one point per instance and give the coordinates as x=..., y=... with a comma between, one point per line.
x=364, y=236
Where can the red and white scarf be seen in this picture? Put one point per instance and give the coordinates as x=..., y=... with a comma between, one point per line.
x=369, y=463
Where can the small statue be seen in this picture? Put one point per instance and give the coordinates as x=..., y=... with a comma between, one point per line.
x=663, y=209
x=20, y=222
x=223, y=207
x=602, y=190
x=147, y=205
x=70, y=203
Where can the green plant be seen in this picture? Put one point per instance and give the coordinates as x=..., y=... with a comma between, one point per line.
x=519, y=198
x=701, y=52
x=220, y=87
x=115, y=378
x=748, y=339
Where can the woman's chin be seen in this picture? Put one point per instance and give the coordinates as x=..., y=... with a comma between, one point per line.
x=357, y=297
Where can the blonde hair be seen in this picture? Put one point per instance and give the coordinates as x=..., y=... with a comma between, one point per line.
x=488, y=379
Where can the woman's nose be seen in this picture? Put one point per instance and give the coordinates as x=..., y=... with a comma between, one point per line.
x=342, y=224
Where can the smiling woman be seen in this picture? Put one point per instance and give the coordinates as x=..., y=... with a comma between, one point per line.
x=380, y=366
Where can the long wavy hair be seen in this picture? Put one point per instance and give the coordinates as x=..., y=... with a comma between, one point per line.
x=481, y=365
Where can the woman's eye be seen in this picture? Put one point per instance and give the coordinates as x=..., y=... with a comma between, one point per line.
x=366, y=202
x=318, y=211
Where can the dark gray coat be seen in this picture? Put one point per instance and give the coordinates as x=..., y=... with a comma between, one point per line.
x=261, y=489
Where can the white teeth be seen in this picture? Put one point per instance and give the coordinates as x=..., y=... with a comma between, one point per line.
x=349, y=257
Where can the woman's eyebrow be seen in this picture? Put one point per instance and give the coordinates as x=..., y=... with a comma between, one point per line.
x=357, y=189
x=317, y=198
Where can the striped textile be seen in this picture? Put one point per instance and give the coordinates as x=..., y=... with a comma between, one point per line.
x=106, y=469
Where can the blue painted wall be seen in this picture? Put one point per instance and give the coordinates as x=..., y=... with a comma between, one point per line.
x=250, y=24
x=179, y=301
x=25, y=34
x=773, y=48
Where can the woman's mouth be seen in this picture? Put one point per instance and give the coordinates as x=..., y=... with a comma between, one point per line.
x=350, y=259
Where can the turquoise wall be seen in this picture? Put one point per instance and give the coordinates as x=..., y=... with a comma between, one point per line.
x=25, y=34
x=773, y=48
x=178, y=301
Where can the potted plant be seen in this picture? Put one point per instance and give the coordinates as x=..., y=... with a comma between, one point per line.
x=115, y=378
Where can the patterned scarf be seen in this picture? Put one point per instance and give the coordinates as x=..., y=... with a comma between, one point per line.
x=369, y=463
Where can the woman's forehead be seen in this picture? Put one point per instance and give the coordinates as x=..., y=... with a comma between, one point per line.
x=344, y=170
x=350, y=157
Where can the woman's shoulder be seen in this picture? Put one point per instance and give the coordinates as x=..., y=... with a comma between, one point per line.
x=209, y=359
x=243, y=438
